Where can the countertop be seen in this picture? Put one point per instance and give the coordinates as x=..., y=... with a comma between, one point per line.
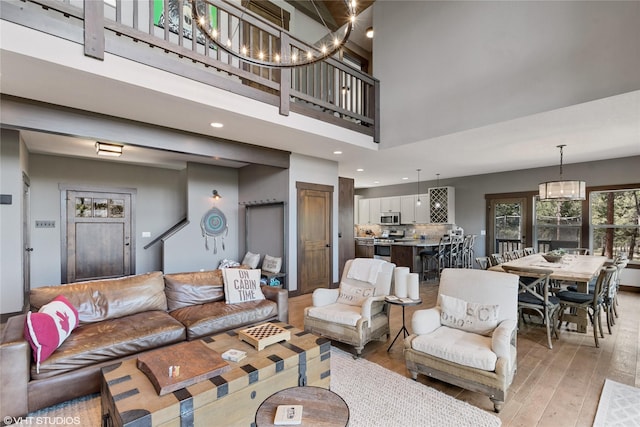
x=418, y=243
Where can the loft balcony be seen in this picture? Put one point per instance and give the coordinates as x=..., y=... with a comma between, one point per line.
x=329, y=90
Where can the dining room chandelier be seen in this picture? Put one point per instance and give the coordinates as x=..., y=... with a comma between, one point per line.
x=562, y=189
x=252, y=49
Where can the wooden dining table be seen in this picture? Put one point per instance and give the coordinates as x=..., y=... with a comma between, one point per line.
x=572, y=268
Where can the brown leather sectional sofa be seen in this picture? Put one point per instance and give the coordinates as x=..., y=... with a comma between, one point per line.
x=120, y=318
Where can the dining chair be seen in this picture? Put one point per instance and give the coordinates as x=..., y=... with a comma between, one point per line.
x=534, y=295
x=592, y=303
x=576, y=251
x=455, y=252
x=496, y=259
x=529, y=251
x=483, y=262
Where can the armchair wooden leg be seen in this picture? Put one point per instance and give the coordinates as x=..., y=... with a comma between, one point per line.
x=497, y=405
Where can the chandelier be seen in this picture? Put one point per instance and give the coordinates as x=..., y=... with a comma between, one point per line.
x=561, y=189
x=285, y=55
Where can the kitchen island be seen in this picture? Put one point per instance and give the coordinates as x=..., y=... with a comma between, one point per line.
x=406, y=253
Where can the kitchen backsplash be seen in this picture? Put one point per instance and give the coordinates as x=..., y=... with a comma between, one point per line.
x=430, y=230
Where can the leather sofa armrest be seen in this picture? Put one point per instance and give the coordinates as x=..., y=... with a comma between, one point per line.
x=15, y=354
x=281, y=297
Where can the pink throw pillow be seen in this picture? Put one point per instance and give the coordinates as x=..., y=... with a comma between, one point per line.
x=47, y=329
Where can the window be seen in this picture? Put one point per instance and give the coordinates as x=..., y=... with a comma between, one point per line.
x=615, y=223
x=558, y=224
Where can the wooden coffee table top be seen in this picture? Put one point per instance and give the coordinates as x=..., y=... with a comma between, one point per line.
x=181, y=365
x=320, y=407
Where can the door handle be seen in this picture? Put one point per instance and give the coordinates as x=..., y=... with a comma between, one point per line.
x=126, y=244
x=29, y=249
x=327, y=245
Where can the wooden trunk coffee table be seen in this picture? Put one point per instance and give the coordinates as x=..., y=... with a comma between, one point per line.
x=229, y=399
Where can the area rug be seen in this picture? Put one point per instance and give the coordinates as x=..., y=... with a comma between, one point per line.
x=376, y=397
x=619, y=406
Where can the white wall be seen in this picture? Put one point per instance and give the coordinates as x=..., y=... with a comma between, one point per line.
x=11, y=246
x=185, y=250
x=316, y=171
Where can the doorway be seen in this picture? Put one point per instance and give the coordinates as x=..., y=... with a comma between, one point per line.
x=508, y=222
x=97, y=231
x=315, y=205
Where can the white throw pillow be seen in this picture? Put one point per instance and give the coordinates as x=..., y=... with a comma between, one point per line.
x=355, y=294
x=241, y=285
x=251, y=259
x=271, y=264
x=468, y=316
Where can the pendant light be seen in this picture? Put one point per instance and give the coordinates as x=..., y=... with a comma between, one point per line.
x=418, y=202
x=561, y=189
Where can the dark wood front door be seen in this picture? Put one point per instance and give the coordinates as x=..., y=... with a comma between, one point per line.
x=314, y=236
x=98, y=235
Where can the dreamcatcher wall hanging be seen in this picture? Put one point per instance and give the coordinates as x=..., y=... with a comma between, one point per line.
x=214, y=224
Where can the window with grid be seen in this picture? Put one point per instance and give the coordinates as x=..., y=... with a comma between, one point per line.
x=557, y=224
x=615, y=223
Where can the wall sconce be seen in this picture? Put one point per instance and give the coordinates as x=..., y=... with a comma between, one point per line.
x=106, y=149
x=216, y=195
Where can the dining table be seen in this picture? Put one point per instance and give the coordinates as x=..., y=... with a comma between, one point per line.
x=578, y=269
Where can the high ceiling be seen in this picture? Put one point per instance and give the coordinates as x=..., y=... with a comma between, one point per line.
x=602, y=128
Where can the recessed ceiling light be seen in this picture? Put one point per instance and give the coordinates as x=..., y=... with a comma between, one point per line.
x=369, y=32
x=337, y=152
x=359, y=170
x=404, y=178
x=216, y=125
x=376, y=182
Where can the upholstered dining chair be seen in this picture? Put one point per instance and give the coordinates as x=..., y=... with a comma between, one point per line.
x=356, y=312
x=534, y=294
x=592, y=303
x=469, y=338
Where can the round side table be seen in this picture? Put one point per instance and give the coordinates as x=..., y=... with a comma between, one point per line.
x=320, y=407
x=403, y=304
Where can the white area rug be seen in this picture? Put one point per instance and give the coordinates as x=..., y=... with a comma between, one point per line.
x=619, y=406
x=376, y=397
x=379, y=397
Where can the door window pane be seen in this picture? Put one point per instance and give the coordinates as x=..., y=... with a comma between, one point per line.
x=508, y=226
x=84, y=207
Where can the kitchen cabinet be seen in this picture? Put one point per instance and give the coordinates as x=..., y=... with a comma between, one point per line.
x=364, y=248
x=411, y=213
x=363, y=211
x=442, y=205
x=390, y=204
x=374, y=211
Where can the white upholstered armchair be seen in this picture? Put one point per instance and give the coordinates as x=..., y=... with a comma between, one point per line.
x=356, y=312
x=469, y=338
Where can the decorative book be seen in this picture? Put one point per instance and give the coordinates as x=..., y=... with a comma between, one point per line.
x=288, y=415
x=234, y=355
x=263, y=335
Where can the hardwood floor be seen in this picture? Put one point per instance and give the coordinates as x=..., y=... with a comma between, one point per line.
x=553, y=387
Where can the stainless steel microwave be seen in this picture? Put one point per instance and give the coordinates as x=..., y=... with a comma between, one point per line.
x=389, y=218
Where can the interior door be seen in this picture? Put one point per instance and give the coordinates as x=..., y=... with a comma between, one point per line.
x=98, y=235
x=508, y=224
x=314, y=236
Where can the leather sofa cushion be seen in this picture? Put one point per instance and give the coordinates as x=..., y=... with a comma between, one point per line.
x=215, y=317
x=185, y=289
x=98, y=300
x=111, y=339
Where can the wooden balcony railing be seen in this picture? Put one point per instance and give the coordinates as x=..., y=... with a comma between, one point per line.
x=139, y=30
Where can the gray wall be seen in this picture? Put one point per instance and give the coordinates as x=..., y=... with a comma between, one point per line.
x=160, y=203
x=456, y=65
x=470, y=191
x=186, y=250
